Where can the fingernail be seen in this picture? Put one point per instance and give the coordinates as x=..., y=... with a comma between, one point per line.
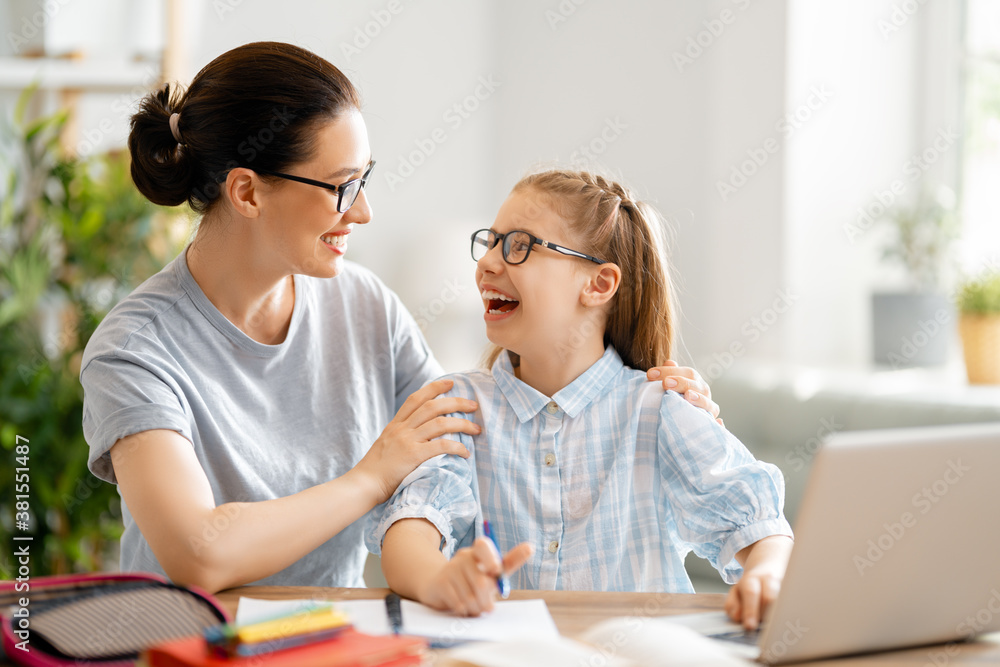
x=653, y=374
x=670, y=382
x=693, y=396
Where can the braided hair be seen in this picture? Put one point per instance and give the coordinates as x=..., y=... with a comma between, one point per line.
x=613, y=225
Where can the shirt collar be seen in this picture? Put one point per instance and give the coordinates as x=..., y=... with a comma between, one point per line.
x=527, y=401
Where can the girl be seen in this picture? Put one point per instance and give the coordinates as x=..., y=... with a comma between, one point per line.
x=609, y=481
x=242, y=398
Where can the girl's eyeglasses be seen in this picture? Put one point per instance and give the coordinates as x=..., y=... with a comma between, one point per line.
x=347, y=193
x=517, y=246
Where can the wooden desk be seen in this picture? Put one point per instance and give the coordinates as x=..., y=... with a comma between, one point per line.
x=575, y=611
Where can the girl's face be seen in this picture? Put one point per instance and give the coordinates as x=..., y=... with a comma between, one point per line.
x=533, y=306
x=303, y=226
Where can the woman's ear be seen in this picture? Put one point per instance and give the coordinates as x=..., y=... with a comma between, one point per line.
x=241, y=191
x=603, y=285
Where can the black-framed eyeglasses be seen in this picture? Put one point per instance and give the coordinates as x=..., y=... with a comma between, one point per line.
x=347, y=193
x=517, y=246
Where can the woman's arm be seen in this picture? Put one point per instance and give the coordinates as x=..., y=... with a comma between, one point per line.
x=415, y=568
x=217, y=547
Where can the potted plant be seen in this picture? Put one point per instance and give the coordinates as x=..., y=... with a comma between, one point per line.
x=914, y=327
x=979, y=326
x=75, y=236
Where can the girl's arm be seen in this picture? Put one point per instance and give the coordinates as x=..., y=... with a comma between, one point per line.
x=217, y=547
x=764, y=563
x=415, y=568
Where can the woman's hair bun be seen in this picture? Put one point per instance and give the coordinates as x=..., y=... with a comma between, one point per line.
x=162, y=168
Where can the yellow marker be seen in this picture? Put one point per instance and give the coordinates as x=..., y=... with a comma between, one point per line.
x=310, y=620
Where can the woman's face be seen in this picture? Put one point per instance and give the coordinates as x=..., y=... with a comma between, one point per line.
x=535, y=305
x=304, y=228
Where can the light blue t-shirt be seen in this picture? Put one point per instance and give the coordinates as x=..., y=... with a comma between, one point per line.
x=265, y=421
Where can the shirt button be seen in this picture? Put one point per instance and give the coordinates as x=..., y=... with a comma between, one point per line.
x=553, y=546
x=552, y=408
x=550, y=459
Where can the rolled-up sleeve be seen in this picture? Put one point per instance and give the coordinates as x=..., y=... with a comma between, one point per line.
x=121, y=398
x=440, y=491
x=723, y=499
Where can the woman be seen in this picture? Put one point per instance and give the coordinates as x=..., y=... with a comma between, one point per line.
x=242, y=402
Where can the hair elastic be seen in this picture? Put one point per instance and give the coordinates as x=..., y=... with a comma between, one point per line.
x=175, y=118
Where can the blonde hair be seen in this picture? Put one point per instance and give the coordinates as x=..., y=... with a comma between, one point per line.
x=614, y=226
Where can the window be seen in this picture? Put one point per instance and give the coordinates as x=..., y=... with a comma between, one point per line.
x=980, y=243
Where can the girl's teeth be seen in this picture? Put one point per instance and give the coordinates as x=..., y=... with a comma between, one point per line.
x=337, y=240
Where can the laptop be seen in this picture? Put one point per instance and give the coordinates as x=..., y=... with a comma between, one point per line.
x=897, y=544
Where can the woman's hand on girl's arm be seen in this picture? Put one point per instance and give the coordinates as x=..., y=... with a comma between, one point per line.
x=688, y=383
x=409, y=439
x=764, y=564
x=415, y=568
x=216, y=547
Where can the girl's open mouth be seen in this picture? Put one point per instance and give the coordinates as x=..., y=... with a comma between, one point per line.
x=499, y=304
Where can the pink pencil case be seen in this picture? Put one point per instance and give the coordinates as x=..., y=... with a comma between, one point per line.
x=98, y=619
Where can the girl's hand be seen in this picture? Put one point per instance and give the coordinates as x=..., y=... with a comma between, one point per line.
x=749, y=598
x=467, y=585
x=688, y=383
x=410, y=438
x=763, y=570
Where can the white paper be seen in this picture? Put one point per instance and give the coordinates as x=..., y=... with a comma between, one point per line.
x=510, y=619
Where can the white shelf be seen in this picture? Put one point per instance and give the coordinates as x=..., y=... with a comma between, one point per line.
x=90, y=74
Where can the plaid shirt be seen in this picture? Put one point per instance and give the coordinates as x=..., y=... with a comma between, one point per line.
x=612, y=480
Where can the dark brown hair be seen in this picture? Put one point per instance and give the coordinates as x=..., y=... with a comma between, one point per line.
x=612, y=225
x=255, y=106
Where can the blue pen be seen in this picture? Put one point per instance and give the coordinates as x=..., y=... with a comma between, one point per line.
x=503, y=583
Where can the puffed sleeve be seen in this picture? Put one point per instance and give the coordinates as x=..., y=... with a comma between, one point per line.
x=722, y=497
x=442, y=490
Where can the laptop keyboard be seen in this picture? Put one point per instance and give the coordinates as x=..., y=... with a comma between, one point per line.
x=748, y=637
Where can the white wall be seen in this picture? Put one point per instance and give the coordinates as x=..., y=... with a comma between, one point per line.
x=605, y=76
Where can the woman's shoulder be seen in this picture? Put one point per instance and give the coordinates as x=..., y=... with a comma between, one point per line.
x=136, y=312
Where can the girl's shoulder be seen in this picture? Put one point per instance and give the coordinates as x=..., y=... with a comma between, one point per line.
x=471, y=383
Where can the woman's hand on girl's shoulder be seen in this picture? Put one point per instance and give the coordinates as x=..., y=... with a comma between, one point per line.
x=688, y=383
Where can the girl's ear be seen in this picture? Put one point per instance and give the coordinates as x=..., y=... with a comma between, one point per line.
x=603, y=285
x=241, y=191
